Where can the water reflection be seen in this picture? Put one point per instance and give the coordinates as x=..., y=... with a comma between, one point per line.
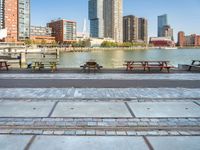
x=116, y=58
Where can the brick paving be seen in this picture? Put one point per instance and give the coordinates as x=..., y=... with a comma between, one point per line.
x=101, y=126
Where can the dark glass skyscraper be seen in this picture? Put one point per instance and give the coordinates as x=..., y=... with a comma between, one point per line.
x=162, y=21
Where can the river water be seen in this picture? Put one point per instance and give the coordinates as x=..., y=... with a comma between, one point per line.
x=116, y=58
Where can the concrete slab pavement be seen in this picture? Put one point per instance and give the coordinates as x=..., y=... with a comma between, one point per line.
x=165, y=109
x=175, y=143
x=25, y=109
x=91, y=109
x=13, y=142
x=85, y=143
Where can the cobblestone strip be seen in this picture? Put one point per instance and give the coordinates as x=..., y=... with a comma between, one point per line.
x=101, y=122
x=100, y=93
x=108, y=76
x=94, y=132
x=196, y=100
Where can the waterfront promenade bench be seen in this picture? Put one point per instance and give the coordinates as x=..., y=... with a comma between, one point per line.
x=38, y=65
x=4, y=64
x=131, y=65
x=194, y=64
x=91, y=66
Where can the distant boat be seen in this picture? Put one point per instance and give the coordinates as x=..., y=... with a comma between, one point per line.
x=168, y=48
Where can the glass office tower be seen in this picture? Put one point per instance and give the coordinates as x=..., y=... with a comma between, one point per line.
x=96, y=18
x=162, y=21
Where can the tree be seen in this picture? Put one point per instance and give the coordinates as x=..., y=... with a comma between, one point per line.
x=28, y=42
x=43, y=42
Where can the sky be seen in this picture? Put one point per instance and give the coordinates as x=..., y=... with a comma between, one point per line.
x=183, y=15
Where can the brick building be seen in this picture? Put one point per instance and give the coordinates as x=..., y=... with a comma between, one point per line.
x=64, y=31
x=189, y=40
x=9, y=19
x=15, y=17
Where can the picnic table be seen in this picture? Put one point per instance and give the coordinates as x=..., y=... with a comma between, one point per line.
x=38, y=65
x=131, y=65
x=194, y=64
x=91, y=65
x=4, y=64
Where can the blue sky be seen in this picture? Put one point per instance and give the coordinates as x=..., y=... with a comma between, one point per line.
x=182, y=14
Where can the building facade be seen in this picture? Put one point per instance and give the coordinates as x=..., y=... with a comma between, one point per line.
x=23, y=19
x=9, y=19
x=162, y=21
x=96, y=18
x=162, y=42
x=181, y=39
x=106, y=19
x=15, y=17
x=64, y=31
x=167, y=31
x=134, y=29
x=188, y=40
x=142, y=30
x=39, y=34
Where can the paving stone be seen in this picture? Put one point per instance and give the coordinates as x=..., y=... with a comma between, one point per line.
x=91, y=109
x=90, y=132
x=25, y=109
x=13, y=142
x=48, y=132
x=100, y=132
x=110, y=133
x=131, y=133
x=70, y=132
x=165, y=109
x=175, y=143
x=58, y=132
x=121, y=132
x=80, y=132
x=93, y=143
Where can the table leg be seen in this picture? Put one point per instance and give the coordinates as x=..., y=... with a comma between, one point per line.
x=189, y=69
x=6, y=65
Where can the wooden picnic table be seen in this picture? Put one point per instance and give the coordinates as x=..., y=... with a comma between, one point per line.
x=195, y=64
x=131, y=65
x=4, y=64
x=91, y=65
x=42, y=64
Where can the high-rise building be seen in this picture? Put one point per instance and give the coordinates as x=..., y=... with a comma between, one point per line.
x=15, y=17
x=106, y=19
x=142, y=30
x=162, y=21
x=9, y=19
x=167, y=31
x=113, y=21
x=23, y=19
x=130, y=28
x=96, y=18
x=64, y=31
x=134, y=29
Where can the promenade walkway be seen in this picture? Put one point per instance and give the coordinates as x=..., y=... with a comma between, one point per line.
x=102, y=117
